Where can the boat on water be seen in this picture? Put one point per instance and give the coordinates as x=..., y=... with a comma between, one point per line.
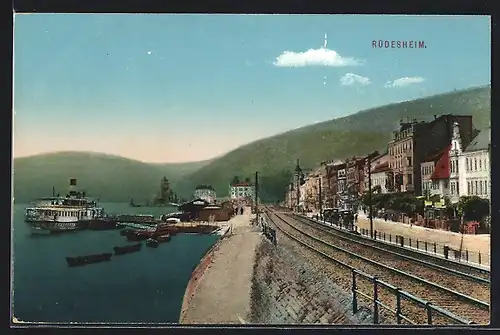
x=136, y=218
x=160, y=230
x=127, y=249
x=89, y=259
x=103, y=223
x=72, y=212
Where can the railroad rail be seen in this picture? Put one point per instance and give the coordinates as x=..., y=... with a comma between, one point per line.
x=465, y=280
x=446, y=306
x=482, y=274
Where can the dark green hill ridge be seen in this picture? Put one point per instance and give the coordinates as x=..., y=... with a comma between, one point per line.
x=112, y=178
x=355, y=134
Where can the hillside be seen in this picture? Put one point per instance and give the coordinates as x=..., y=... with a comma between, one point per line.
x=111, y=178
x=275, y=156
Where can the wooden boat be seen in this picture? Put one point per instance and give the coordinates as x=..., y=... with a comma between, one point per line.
x=127, y=249
x=89, y=259
x=103, y=224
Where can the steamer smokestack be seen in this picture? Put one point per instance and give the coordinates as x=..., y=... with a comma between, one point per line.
x=72, y=186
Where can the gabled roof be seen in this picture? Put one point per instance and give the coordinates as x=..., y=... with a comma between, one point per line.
x=442, y=168
x=480, y=142
x=437, y=155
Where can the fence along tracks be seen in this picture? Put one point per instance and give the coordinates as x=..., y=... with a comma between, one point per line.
x=445, y=306
x=478, y=285
x=473, y=272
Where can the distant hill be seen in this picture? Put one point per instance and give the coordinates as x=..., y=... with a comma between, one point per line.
x=111, y=178
x=355, y=134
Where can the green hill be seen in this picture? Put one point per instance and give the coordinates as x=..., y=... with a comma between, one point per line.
x=111, y=178
x=355, y=134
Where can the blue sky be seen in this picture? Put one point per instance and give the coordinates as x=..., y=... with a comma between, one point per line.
x=167, y=88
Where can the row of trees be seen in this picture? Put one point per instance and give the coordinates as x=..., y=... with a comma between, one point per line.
x=471, y=207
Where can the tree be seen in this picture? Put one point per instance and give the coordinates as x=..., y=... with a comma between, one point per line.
x=473, y=208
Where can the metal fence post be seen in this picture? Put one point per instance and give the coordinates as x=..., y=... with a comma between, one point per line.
x=398, y=306
x=354, y=295
x=390, y=237
x=435, y=248
x=375, y=234
x=402, y=241
x=466, y=255
x=479, y=257
x=375, y=300
x=409, y=241
x=417, y=245
x=384, y=235
x=429, y=313
x=425, y=243
x=446, y=250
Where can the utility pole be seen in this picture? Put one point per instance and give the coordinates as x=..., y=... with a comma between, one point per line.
x=298, y=171
x=257, y=196
x=320, y=196
x=369, y=161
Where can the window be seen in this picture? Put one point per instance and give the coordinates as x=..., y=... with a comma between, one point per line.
x=481, y=164
x=481, y=187
x=475, y=164
x=452, y=188
x=446, y=183
x=435, y=185
x=468, y=188
x=409, y=161
x=458, y=188
x=475, y=188
x=486, y=187
x=409, y=179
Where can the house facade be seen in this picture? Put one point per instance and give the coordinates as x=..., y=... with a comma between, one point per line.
x=475, y=178
x=205, y=192
x=380, y=173
x=415, y=141
x=241, y=191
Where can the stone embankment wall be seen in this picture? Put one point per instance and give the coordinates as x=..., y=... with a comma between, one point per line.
x=286, y=289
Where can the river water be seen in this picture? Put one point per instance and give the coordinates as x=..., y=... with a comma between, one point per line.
x=143, y=287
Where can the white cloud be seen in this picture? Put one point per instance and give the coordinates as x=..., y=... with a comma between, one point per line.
x=314, y=57
x=404, y=81
x=350, y=79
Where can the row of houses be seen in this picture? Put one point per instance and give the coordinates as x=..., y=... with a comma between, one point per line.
x=445, y=157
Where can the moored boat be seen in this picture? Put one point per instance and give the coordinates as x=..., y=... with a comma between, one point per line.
x=127, y=249
x=163, y=238
x=89, y=259
x=103, y=223
x=72, y=212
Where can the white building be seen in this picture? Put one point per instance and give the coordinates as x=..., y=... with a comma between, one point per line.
x=379, y=172
x=205, y=192
x=475, y=173
x=241, y=191
x=455, y=172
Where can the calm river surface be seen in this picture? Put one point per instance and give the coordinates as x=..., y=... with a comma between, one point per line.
x=147, y=286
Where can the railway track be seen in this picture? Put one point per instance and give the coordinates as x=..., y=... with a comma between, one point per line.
x=482, y=275
x=476, y=287
x=455, y=302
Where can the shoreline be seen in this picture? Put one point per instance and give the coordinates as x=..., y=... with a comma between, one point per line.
x=219, y=290
x=197, y=275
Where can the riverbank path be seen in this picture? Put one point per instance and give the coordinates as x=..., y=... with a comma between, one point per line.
x=224, y=290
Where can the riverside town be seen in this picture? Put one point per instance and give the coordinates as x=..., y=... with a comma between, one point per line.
x=285, y=179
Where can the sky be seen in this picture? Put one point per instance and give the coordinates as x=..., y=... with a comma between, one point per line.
x=177, y=88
